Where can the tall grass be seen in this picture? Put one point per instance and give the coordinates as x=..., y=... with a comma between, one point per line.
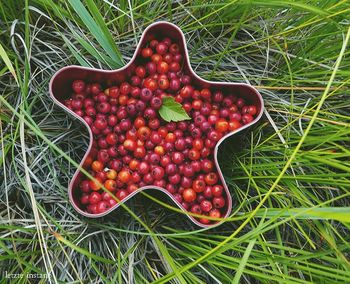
x=289, y=177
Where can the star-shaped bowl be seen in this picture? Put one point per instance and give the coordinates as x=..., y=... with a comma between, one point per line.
x=60, y=89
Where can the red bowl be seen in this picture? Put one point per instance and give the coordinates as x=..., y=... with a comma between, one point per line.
x=60, y=89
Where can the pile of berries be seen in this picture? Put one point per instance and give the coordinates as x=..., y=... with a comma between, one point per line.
x=134, y=147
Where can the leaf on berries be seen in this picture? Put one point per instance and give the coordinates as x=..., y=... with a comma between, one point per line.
x=172, y=110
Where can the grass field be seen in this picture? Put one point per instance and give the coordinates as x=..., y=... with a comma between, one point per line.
x=290, y=183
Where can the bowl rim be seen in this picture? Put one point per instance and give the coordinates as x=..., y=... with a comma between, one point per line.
x=216, y=149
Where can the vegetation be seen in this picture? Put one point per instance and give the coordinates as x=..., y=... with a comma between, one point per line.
x=290, y=182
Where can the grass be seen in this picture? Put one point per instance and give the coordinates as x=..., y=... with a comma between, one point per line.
x=289, y=177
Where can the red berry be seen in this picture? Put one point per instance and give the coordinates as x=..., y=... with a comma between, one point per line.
x=221, y=125
x=218, y=202
x=161, y=48
x=189, y=195
x=111, y=139
x=147, y=52
x=198, y=185
x=211, y=178
x=94, y=197
x=102, y=206
x=162, y=67
x=124, y=176
x=217, y=190
x=215, y=213
x=186, y=91
x=206, y=205
x=78, y=86
x=121, y=194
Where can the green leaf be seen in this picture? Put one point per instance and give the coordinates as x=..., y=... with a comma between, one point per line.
x=172, y=110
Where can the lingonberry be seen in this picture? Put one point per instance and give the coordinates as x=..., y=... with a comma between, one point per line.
x=158, y=173
x=221, y=125
x=233, y=125
x=100, y=123
x=102, y=206
x=177, y=157
x=171, y=169
x=218, y=202
x=161, y=48
x=111, y=174
x=154, y=158
x=94, y=197
x=121, y=194
x=78, y=86
x=149, y=113
x=148, y=178
x=198, y=185
x=84, y=199
x=217, y=190
x=174, y=179
x=111, y=139
x=196, y=209
x=101, y=176
x=110, y=185
x=146, y=94
x=189, y=195
x=140, y=152
x=85, y=186
x=207, y=193
x=147, y=52
x=206, y=205
x=97, y=166
x=194, y=154
x=247, y=118
x=162, y=68
x=188, y=171
x=130, y=145
x=211, y=178
x=156, y=58
x=186, y=91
